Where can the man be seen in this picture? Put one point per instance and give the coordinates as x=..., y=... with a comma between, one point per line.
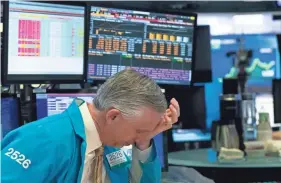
x=129, y=109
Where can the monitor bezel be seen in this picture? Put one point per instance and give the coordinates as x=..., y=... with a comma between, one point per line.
x=15, y=96
x=176, y=13
x=37, y=78
x=204, y=75
x=275, y=105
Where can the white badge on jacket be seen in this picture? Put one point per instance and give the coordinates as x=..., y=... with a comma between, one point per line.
x=117, y=159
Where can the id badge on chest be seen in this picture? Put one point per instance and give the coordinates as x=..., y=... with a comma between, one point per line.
x=117, y=159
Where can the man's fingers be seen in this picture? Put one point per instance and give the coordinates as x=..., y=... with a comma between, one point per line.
x=167, y=124
x=174, y=114
x=167, y=119
x=175, y=103
x=169, y=113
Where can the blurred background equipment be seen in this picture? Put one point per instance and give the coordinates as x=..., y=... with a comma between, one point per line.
x=264, y=131
x=229, y=128
x=241, y=60
x=230, y=86
x=265, y=103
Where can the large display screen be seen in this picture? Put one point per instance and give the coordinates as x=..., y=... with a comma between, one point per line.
x=264, y=64
x=45, y=40
x=158, y=45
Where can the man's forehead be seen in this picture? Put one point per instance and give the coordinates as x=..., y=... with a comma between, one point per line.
x=150, y=110
x=148, y=119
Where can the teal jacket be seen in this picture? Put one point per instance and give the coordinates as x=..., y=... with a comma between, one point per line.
x=51, y=150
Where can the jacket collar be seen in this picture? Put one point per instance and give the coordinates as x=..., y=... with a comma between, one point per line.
x=76, y=119
x=84, y=125
x=91, y=132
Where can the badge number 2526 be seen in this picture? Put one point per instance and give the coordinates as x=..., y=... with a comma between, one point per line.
x=116, y=158
x=18, y=157
x=115, y=155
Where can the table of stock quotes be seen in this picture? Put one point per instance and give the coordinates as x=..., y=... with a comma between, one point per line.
x=44, y=38
x=43, y=33
x=157, y=45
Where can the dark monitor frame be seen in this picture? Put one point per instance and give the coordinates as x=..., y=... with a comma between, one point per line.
x=204, y=75
x=8, y=95
x=110, y=5
x=40, y=79
x=276, y=103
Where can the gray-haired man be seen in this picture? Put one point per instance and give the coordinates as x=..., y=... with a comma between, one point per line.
x=82, y=144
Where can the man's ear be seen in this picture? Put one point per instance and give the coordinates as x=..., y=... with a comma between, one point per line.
x=112, y=115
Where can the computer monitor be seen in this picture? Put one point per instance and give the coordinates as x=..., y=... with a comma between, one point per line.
x=192, y=105
x=264, y=64
x=190, y=135
x=55, y=102
x=159, y=45
x=10, y=113
x=43, y=42
x=160, y=142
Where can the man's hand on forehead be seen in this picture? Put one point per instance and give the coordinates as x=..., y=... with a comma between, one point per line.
x=170, y=117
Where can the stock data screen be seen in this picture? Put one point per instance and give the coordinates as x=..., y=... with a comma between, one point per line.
x=45, y=39
x=158, y=45
x=264, y=64
x=55, y=103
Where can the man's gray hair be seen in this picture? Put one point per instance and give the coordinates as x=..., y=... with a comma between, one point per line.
x=128, y=91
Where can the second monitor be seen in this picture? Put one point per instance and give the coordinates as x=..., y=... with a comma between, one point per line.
x=56, y=102
x=156, y=44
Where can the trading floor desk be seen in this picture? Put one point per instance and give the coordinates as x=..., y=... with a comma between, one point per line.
x=255, y=168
